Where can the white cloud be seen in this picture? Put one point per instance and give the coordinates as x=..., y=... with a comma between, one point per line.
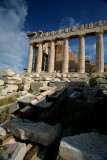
x=13, y=39
x=68, y=22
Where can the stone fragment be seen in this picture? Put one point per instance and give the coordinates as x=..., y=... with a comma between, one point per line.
x=13, y=151
x=6, y=138
x=101, y=81
x=44, y=78
x=39, y=132
x=11, y=87
x=36, y=85
x=2, y=131
x=26, y=111
x=1, y=82
x=45, y=88
x=13, y=80
x=3, y=92
x=32, y=153
x=55, y=80
x=26, y=98
x=8, y=73
x=87, y=146
x=26, y=86
x=1, y=87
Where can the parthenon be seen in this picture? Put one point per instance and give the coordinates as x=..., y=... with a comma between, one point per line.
x=40, y=40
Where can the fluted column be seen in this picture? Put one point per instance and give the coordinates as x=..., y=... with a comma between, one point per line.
x=30, y=59
x=99, y=52
x=65, y=57
x=81, y=54
x=39, y=58
x=51, y=57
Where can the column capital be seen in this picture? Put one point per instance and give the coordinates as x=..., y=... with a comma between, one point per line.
x=99, y=32
x=81, y=35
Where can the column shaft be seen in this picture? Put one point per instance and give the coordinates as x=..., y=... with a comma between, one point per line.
x=30, y=59
x=99, y=53
x=81, y=55
x=39, y=58
x=51, y=57
x=65, y=57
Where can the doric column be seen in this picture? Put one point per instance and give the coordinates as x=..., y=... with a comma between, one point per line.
x=39, y=58
x=99, y=52
x=30, y=59
x=65, y=56
x=81, y=54
x=51, y=57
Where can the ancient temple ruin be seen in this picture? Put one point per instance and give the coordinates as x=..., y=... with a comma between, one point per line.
x=53, y=51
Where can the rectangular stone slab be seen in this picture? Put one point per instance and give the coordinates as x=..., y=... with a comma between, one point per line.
x=39, y=132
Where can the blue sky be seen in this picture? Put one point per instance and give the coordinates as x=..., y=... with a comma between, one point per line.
x=19, y=16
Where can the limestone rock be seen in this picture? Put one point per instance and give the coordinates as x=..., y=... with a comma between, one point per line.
x=75, y=75
x=2, y=131
x=36, y=132
x=11, y=87
x=8, y=73
x=26, y=86
x=1, y=87
x=36, y=85
x=3, y=92
x=35, y=75
x=26, y=98
x=87, y=146
x=26, y=80
x=55, y=80
x=13, y=151
x=44, y=78
x=101, y=81
x=13, y=80
x=1, y=82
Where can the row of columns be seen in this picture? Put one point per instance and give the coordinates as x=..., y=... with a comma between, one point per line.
x=65, y=57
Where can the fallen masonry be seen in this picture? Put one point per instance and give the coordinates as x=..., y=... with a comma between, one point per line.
x=55, y=120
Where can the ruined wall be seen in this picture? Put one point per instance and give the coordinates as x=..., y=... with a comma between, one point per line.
x=73, y=59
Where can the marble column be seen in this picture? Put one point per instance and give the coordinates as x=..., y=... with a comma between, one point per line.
x=99, y=52
x=39, y=58
x=30, y=59
x=81, y=54
x=51, y=57
x=65, y=56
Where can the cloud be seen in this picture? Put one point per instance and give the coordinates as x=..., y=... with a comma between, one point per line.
x=68, y=22
x=13, y=39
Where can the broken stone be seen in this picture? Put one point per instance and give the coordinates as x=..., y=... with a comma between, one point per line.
x=13, y=80
x=8, y=73
x=87, y=146
x=2, y=131
x=45, y=88
x=26, y=86
x=11, y=88
x=32, y=153
x=13, y=151
x=101, y=81
x=1, y=82
x=39, y=132
x=26, y=98
x=55, y=80
x=36, y=85
x=6, y=138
